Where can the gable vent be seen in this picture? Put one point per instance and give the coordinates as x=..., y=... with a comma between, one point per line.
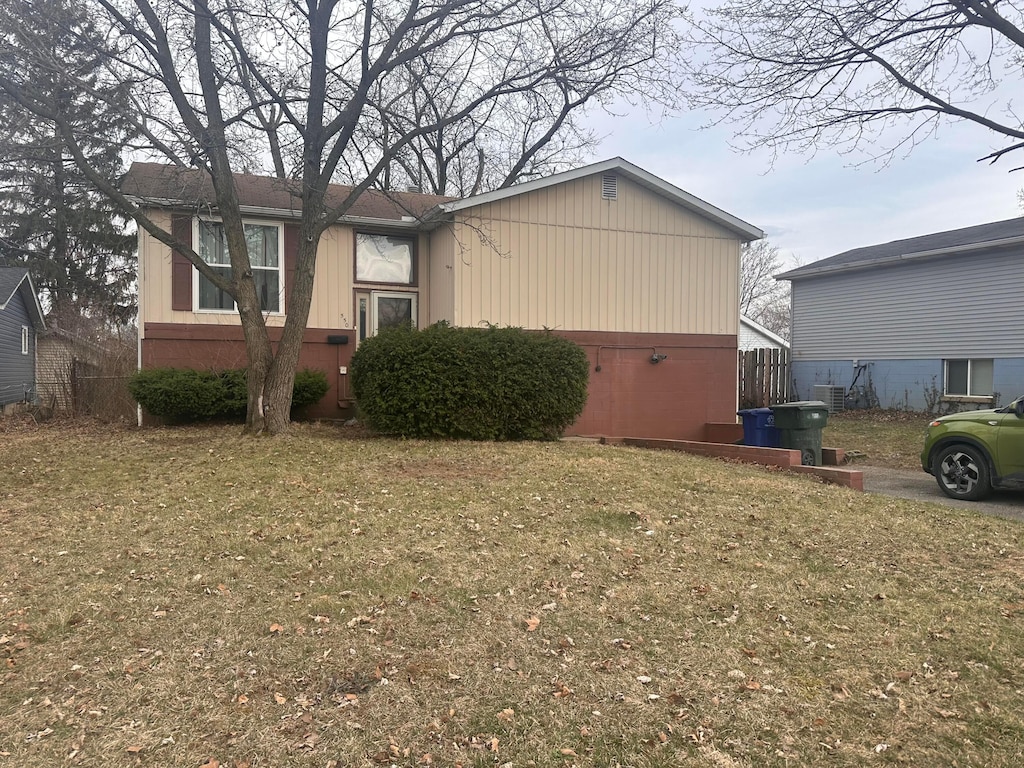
x=609, y=186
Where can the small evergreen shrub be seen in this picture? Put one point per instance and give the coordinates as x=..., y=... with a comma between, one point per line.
x=183, y=395
x=493, y=384
x=310, y=387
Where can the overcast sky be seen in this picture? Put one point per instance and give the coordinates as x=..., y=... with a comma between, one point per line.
x=815, y=207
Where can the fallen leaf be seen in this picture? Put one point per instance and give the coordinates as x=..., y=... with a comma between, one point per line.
x=243, y=699
x=532, y=623
x=568, y=752
x=211, y=763
x=134, y=749
x=506, y=715
x=280, y=699
x=276, y=629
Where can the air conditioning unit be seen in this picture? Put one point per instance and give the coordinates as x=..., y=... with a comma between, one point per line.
x=832, y=396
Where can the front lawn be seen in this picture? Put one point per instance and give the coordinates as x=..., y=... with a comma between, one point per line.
x=185, y=597
x=878, y=438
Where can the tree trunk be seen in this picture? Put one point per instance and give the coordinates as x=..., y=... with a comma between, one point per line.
x=270, y=379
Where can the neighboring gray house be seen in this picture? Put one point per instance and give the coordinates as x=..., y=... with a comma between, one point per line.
x=21, y=318
x=932, y=323
x=755, y=336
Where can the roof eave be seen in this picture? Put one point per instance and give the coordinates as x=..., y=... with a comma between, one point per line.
x=747, y=232
x=764, y=331
x=281, y=213
x=31, y=299
x=983, y=245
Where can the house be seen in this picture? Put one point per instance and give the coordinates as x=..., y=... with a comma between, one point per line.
x=756, y=336
x=21, y=319
x=643, y=275
x=931, y=323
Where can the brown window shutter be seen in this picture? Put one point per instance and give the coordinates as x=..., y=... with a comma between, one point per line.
x=291, y=253
x=181, y=268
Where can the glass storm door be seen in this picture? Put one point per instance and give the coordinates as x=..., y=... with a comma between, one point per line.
x=380, y=310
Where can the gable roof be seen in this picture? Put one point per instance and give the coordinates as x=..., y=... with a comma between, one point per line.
x=637, y=174
x=15, y=280
x=762, y=331
x=998, y=234
x=176, y=187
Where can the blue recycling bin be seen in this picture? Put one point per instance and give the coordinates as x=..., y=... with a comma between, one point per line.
x=759, y=428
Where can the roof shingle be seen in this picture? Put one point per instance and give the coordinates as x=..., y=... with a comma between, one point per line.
x=193, y=188
x=859, y=258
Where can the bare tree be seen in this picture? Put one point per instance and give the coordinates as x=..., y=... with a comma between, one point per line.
x=764, y=299
x=807, y=74
x=314, y=84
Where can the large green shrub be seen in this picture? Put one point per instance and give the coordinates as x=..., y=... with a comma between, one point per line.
x=184, y=395
x=493, y=384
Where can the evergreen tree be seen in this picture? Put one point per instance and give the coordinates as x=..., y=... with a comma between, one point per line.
x=52, y=221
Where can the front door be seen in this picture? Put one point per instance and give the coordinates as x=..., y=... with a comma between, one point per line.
x=379, y=310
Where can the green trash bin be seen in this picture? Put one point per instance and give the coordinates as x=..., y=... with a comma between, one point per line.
x=800, y=426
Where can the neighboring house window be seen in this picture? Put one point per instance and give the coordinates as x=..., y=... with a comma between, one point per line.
x=970, y=378
x=265, y=250
x=24, y=340
x=384, y=259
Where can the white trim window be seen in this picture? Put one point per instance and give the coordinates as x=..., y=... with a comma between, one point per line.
x=968, y=378
x=25, y=340
x=266, y=256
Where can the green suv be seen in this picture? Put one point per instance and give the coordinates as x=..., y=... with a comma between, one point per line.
x=973, y=452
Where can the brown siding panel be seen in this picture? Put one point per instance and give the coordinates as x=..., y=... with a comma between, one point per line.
x=217, y=347
x=181, y=268
x=694, y=385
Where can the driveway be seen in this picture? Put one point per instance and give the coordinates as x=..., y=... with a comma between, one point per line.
x=919, y=486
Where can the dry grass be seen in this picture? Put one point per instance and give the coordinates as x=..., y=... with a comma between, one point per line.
x=178, y=597
x=879, y=438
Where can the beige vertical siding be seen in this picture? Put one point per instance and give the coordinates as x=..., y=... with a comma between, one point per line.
x=564, y=257
x=442, y=250
x=54, y=359
x=332, y=288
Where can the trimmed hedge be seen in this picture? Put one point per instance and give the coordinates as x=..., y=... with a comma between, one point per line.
x=184, y=395
x=493, y=384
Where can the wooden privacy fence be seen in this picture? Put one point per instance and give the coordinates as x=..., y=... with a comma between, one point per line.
x=104, y=397
x=764, y=377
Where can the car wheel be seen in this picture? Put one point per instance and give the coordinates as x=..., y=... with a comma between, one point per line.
x=962, y=473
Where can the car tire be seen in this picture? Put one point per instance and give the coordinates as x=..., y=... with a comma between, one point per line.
x=962, y=472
